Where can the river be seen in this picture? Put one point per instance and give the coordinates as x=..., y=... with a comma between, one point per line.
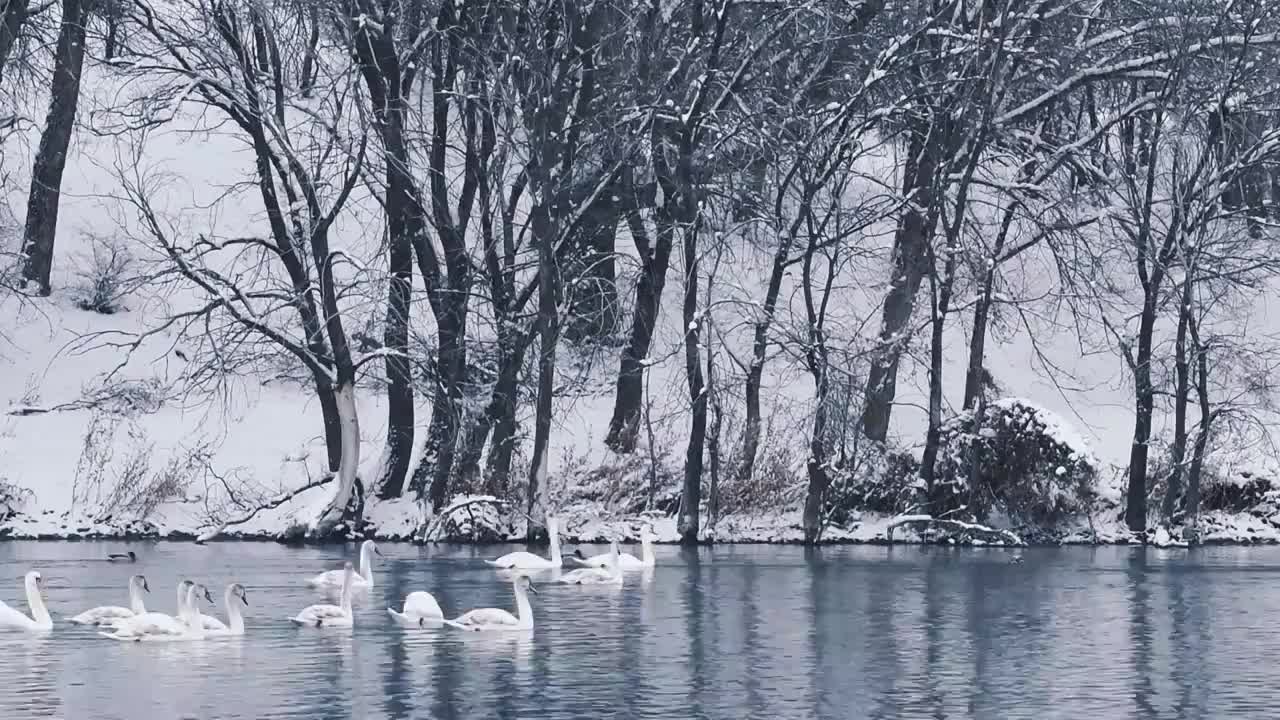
x=724, y=633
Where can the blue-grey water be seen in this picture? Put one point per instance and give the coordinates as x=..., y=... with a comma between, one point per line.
x=729, y=633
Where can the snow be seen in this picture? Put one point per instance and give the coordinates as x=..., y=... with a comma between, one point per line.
x=264, y=434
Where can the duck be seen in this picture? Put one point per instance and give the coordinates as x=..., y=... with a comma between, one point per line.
x=108, y=614
x=334, y=579
x=233, y=598
x=609, y=575
x=122, y=557
x=40, y=620
x=324, y=615
x=420, y=609
x=488, y=619
x=522, y=560
x=626, y=561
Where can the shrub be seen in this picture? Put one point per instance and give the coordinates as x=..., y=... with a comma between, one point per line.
x=874, y=479
x=105, y=278
x=1033, y=467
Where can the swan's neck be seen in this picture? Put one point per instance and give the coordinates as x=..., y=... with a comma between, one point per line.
x=646, y=551
x=555, y=545
x=136, y=603
x=366, y=564
x=182, y=601
x=345, y=602
x=234, y=618
x=524, y=611
x=35, y=600
x=194, y=623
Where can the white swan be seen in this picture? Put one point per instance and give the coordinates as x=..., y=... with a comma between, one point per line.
x=208, y=622
x=482, y=619
x=158, y=627
x=627, y=561
x=420, y=609
x=40, y=619
x=109, y=614
x=235, y=627
x=522, y=560
x=333, y=579
x=610, y=575
x=330, y=615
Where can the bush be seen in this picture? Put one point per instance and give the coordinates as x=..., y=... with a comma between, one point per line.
x=12, y=499
x=877, y=480
x=1033, y=468
x=105, y=278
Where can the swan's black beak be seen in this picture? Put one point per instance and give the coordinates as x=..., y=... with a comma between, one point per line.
x=577, y=552
x=533, y=589
x=422, y=622
x=377, y=552
x=207, y=596
x=245, y=600
x=145, y=586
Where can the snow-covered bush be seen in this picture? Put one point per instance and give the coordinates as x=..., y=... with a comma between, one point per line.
x=1032, y=466
x=12, y=499
x=105, y=277
x=876, y=480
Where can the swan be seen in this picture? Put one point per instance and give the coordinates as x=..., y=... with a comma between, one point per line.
x=334, y=579
x=611, y=575
x=152, y=622
x=627, y=561
x=331, y=615
x=40, y=619
x=208, y=622
x=420, y=609
x=108, y=614
x=235, y=626
x=164, y=628
x=122, y=557
x=497, y=618
x=522, y=560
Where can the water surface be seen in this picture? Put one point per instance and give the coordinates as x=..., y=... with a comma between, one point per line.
x=726, y=633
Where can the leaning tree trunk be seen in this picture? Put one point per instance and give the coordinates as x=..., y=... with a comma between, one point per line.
x=345, y=399
x=624, y=426
x=51, y=159
x=909, y=246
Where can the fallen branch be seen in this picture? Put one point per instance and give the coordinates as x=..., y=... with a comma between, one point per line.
x=929, y=520
x=277, y=502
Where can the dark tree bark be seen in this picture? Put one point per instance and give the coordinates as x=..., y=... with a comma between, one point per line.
x=1181, y=399
x=1192, y=504
x=910, y=243
x=310, y=65
x=548, y=323
x=691, y=496
x=51, y=158
x=13, y=15
x=818, y=363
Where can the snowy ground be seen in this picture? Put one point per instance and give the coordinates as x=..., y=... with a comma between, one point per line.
x=65, y=459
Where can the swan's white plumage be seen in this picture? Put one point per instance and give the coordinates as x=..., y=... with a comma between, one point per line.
x=109, y=614
x=158, y=627
x=482, y=619
x=419, y=608
x=324, y=615
x=233, y=597
x=609, y=575
x=522, y=560
x=626, y=561
x=333, y=579
x=40, y=619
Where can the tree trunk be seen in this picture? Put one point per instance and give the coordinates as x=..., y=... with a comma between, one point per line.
x=400, y=410
x=624, y=426
x=51, y=159
x=309, y=64
x=909, y=247
x=1181, y=398
x=593, y=301
x=345, y=399
x=759, y=347
x=13, y=15
x=332, y=422
x=471, y=452
x=548, y=329
x=691, y=496
x=1191, y=507
x=502, y=445
x=1144, y=406
x=815, y=466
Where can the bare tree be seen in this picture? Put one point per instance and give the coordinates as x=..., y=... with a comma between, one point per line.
x=51, y=158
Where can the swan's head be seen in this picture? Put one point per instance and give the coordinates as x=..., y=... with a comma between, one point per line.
x=202, y=591
x=35, y=579
x=348, y=568
x=140, y=581
x=370, y=546
x=237, y=591
x=613, y=548
x=524, y=583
